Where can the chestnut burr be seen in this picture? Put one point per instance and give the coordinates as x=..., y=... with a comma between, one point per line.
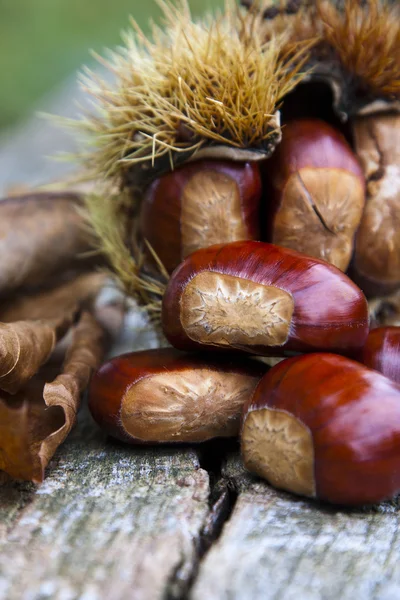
x=263, y=299
x=200, y=204
x=166, y=396
x=325, y=427
x=315, y=192
x=382, y=351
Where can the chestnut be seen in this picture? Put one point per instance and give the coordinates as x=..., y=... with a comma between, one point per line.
x=382, y=351
x=262, y=299
x=200, y=204
x=164, y=396
x=325, y=427
x=377, y=249
x=316, y=192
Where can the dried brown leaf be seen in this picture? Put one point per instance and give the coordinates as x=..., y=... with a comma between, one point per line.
x=38, y=419
x=25, y=422
x=53, y=303
x=83, y=356
x=42, y=236
x=25, y=346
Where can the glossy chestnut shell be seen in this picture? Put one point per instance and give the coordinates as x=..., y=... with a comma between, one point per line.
x=382, y=351
x=166, y=396
x=326, y=427
x=200, y=204
x=315, y=192
x=263, y=299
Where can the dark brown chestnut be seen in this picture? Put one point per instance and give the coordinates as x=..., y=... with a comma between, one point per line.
x=382, y=351
x=263, y=299
x=326, y=427
x=166, y=396
x=200, y=204
x=315, y=192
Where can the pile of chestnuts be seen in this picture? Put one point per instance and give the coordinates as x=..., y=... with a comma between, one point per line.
x=325, y=421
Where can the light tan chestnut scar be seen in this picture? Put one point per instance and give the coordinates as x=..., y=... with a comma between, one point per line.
x=224, y=310
x=377, y=139
x=319, y=214
x=211, y=212
x=279, y=448
x=186, y=406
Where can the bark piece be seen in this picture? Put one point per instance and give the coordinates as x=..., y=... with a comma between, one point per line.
x=38, y=419
x=42, y=236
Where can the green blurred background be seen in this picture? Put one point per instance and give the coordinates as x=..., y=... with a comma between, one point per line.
x=44, y=41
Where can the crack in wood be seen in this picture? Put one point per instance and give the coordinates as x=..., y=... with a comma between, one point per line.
x=222, y=499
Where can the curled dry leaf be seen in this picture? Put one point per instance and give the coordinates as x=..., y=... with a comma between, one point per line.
x=42, y=235
x=83, y=356
x=53, y=303
x=80, y=293
x=38, y=419
x=25, y=422
x=25, y=346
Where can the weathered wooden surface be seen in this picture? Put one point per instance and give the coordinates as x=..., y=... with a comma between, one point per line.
x=109, y=522
x=276, y=546
x=112, y=522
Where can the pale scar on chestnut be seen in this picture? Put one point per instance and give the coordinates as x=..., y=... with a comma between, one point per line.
x=279, y=448
x=319, y=214
x=192, y=405
x=224, y=310
x=211, y=212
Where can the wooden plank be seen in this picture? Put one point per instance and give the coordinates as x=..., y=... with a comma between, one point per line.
x=109, y=522
x=276, y=546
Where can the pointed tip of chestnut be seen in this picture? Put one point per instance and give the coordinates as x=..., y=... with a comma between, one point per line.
x=263, y=299
x=326, y=427
x=166, y=396
x=316, y=192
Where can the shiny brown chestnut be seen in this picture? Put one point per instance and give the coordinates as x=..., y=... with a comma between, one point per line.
x=263, y=299
x=166, y=396
x=315, y=192
x=377, y=249
x=382, y=351
x=200, y=204
x=325, y=427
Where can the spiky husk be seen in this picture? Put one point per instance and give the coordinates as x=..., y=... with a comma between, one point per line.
x=194, y=85
x=366, y=38
x=212, y=81
x=356, y=43
x=111, y=218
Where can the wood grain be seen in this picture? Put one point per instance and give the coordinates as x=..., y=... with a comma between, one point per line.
x=109, y=522
x=122, y=523
x=276, y=546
